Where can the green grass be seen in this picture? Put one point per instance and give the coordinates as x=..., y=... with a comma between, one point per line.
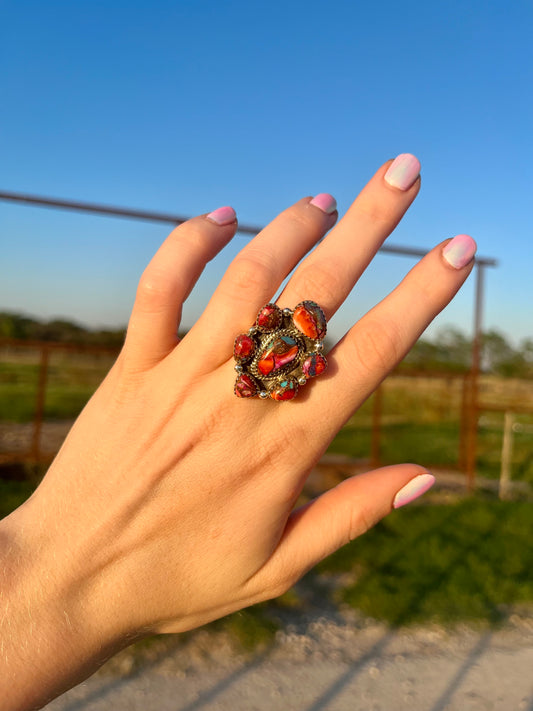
x=13, y=494
x=71, y=382
x=432, y=443
x=468, y=561
x=416, y=436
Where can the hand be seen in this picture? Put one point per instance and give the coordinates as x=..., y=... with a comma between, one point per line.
x=171, y=501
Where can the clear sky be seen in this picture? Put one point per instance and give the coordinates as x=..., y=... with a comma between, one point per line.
x=186, y=106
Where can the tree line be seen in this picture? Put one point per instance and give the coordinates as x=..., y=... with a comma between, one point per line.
x=452, y=350
x=449, y=350
x=25, y=328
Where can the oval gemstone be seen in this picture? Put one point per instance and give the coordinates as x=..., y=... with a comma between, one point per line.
x=278, y=355
x=244, y=347
x=245, y=386
x=269, y=318
x=314, y=365
x=285, y=390
x=309, y=319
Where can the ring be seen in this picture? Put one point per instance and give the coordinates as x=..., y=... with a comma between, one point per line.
x=280, y=352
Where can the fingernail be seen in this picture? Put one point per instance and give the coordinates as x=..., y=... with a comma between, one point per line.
x=222, y=216
x=415, y=488
x=325, y=202
x=459, y=251
x=403, y=171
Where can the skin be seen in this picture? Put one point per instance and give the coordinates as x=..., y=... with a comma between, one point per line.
x=171, y=502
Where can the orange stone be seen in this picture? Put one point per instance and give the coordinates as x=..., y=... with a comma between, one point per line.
x=309, y=319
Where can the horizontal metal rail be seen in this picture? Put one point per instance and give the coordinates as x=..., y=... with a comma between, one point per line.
x=168, y=218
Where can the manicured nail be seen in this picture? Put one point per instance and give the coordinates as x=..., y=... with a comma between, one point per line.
x=415, y=488
x=223, y=216
x=325, y=202
x=459, y=251
x=403, y=171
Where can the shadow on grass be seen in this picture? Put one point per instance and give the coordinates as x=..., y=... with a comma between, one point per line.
x=446, y=564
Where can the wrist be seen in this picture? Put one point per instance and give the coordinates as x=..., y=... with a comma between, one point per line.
x=48, y=621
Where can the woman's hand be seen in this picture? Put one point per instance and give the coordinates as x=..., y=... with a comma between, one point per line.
x=171, y=502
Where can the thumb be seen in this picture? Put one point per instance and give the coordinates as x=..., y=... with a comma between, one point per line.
x=335, y=518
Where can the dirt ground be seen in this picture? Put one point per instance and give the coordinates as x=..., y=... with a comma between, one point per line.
x=323, y=663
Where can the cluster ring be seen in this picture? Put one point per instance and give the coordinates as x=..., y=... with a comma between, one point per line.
x=280, y=352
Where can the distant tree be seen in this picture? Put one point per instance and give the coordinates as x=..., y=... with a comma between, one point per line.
x=450, y=350
x=526, y=351
x=17, y=326
x=499, y=356
x=455, y=347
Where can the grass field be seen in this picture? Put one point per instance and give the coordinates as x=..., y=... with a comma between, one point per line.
x=72, y=379
x=420, y=422
x=420, y=416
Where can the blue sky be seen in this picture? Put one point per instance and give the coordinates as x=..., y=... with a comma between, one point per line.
x=186, y=106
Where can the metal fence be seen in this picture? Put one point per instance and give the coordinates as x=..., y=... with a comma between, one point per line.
x=440, y=415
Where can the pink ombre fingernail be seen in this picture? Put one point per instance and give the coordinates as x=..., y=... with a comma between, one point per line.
x=415, y=488
x=403, y=171
x=325, y=202
x=459, y=251
x=222, y=216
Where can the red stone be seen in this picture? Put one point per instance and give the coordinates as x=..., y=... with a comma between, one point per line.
x=278, y=355
x=309, y=319
x=286, y=390
x=244, y=347
x=269, y=318
x=245, y=386
x=314, y=365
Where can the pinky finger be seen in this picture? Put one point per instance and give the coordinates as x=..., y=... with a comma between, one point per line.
x=168, y=280
x=337, y=517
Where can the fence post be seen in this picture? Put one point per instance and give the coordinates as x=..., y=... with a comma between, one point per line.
x=377, y=405
x=463, y=423
x=507, y=455
x=39, y=406
x=473, y=402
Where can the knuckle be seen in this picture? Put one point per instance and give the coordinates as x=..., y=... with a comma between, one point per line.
x=154, y=290
x=378, y=211
x=377, y=346
x=193, y=237
x=319, y=282
x=282, y=580
x=361, y=521
x=299, y=219
x=247, y=271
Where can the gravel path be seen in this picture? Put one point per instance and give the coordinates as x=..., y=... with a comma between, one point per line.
x=331, y=665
